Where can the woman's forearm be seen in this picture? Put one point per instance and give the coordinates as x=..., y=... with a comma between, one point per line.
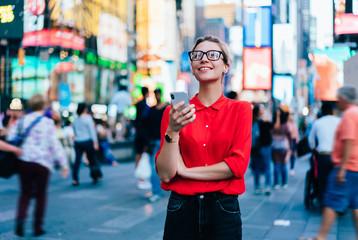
x=167, y=161
x=219, y=171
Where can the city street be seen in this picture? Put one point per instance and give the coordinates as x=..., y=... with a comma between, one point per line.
x=116, y=209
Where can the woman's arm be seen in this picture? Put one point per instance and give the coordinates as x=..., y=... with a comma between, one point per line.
x=218, y=171
x=167, y=160
x=236, y=163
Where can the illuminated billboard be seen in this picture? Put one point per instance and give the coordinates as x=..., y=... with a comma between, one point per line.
x=284, y=49
x=346, y=24
x=11, y=19
x=257, y=68
x=112, y=38
x=257, y=27
x=346, y=20
x=54, y=37
x=329, y=68
x=282, y=88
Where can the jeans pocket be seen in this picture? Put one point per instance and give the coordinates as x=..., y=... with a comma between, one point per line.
x=229, y=205
x=174, y=204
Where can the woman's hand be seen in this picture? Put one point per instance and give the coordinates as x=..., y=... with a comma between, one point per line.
x=179, y=119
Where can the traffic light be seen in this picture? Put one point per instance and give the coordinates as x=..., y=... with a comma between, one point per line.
x=21, y=57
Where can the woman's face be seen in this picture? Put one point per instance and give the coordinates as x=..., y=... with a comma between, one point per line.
x=205, y=70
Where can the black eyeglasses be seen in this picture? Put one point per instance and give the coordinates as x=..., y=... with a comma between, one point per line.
x=212, y=55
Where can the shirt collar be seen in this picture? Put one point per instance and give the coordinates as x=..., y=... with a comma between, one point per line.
x=216, y=106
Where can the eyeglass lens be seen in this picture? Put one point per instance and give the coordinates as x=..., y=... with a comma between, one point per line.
x=211, y=55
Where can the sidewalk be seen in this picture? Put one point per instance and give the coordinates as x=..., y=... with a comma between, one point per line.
x=260, y=212
x=115, y=209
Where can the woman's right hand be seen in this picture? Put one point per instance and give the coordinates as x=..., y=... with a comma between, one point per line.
x=179, y=119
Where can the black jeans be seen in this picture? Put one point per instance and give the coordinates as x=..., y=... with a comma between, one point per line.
x=87, y=147
x=207, y=216
x=324, y=168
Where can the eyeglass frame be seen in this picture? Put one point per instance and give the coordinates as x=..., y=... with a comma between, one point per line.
x=206, y=53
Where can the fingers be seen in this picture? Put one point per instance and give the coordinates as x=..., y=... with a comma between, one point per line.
x=179, y=118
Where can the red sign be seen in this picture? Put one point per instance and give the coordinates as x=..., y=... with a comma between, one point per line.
x=346, y=24
x=54, y=37
x=36, y=7
x=257, y=64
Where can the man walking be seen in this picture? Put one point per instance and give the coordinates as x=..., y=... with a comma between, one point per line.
x=323, y=130
x=342, y=188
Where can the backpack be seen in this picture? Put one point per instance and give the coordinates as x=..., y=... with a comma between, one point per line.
x=255, y=136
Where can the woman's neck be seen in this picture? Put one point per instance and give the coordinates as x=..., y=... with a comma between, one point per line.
x=209, y=93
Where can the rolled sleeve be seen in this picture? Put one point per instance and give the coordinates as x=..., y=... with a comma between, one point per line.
x=239, y=154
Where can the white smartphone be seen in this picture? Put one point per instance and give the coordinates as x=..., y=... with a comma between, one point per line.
x=177, y=97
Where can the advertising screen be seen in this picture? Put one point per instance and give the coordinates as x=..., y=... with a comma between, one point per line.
x=346, y=24
x=257, y=68
x=11, y=19
x=284, y=49
x=329, y=68
x=257, y=27
x=282, y=88
x=346, y=20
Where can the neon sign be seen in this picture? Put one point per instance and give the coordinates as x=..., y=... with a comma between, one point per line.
x=6, y=14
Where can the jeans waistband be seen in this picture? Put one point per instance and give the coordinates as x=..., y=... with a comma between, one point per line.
x=214, y=195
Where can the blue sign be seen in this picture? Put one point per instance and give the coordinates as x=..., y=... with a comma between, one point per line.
x=257, y=27
x=64, y=94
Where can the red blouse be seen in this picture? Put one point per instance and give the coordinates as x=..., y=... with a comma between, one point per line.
x=220, y=132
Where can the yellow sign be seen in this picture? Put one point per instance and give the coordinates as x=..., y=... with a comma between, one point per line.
x=84, y=15
x=6, y=14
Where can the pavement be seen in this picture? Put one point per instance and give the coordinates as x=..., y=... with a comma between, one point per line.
x=116, y=209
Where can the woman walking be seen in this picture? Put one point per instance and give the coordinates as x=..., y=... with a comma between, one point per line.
x=204, y=152
x=41, y=149
x=85, y=141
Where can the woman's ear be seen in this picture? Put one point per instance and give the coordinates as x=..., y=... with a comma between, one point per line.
x=226, y=68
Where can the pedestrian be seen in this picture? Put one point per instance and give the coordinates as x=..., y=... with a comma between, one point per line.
x=141, y=140
x=103, y=133
x=342, y=188
x=261, y=150
x=85, y=142
x=69, y=135
x=294, y=140
x=205, y=151
x=281, y=138
x=155, y=115
x=41, y=149
x=321, y=139
x=121, y=99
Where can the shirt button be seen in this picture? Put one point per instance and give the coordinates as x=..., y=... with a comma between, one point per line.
x=201, y=196
x=207, y=126
x=206, y=165
x=204, y=144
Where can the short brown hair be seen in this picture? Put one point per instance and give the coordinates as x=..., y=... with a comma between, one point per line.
x=37, y=102
x=223, y=46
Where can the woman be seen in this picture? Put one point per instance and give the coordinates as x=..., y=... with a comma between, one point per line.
x=40, y=150
x=204, y=152
x=85, y=141
x=281, y=139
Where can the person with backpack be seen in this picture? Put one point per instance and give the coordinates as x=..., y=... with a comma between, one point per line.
x=261, y=150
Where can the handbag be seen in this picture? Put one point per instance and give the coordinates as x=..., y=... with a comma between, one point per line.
x=8, y=160
x=143, y=170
